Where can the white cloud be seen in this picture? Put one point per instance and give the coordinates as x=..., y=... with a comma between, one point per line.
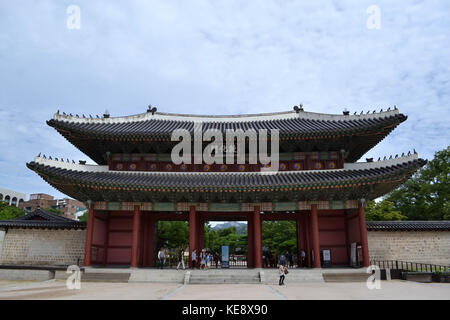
x=218, y=57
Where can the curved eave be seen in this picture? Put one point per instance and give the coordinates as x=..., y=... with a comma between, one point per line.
x=83, y=183
x=86, y=133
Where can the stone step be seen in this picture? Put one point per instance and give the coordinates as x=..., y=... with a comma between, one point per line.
x=223, y=280
x=105, y=277
x=345, y=277
x=228, y=276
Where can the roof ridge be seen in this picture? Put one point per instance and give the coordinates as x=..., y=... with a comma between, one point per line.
x=225, y=118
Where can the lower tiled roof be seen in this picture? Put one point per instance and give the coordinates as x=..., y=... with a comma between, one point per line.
x=362, y=181
x=42, y=219
x=408, y=225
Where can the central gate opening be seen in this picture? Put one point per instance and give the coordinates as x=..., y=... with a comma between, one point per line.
x=227, y=233
x=280, y=243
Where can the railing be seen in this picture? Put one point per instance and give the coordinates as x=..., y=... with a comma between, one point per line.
x=409, y=266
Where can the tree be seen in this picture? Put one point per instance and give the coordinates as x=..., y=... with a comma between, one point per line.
x=8, y=212
x=382, y=211
x=215, y=239
x=57, y=211
x=280, y=236
x=172, y=234
x=84, y=216
x=426, y=196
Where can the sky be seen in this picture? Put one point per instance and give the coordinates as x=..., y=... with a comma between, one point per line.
x=218, y=57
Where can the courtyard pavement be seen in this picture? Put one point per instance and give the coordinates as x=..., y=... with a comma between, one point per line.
x=54, y=289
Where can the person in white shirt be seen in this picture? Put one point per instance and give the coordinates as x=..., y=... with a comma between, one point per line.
x=194, y=258
x=162, y=257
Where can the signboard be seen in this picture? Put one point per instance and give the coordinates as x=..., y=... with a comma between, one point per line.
x=326, y=256
x=353, y=254
x=225, y=257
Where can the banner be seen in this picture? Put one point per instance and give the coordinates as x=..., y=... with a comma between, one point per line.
x=225, y=257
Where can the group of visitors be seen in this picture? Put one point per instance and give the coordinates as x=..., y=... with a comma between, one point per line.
x=163, y=255
x=271, y=260
x=204, y=259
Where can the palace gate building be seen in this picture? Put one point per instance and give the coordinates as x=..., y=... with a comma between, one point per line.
x=134, y=183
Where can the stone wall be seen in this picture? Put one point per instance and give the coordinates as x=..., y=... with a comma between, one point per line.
x=65, y=247
x=42, y=247
x=414, y=246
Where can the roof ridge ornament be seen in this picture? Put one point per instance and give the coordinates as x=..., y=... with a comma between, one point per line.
x=151, y=109
x=299, y=109
x=106, y=115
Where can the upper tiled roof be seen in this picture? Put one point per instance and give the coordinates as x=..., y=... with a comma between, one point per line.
x=356, y=134
x=42, y=219
x=408, y=225
x=159, y=124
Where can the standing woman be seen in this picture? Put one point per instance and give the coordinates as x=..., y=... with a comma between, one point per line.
x=181, y=259
x=281, y=271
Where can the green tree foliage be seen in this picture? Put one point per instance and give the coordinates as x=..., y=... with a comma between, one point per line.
x=84, y=216
x=382, y=211
x=8, y=212
x=215, y=239
x=172, y=235
x=57, y=211
x=280, y=236
x=426, y=196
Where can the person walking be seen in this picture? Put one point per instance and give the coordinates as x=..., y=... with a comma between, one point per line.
x=194, y=258
x=290, y=259
x=181, y=259
x=282, y=271
x=303, y=254
x=162, y=257
x=216, y=259
x=282, y=259
x=203, y=259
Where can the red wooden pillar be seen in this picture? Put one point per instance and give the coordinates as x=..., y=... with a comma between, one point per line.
x=135, y=238
x=363, y=234
x=307, y=228
x=201, y=233
x=148, y=247
x=250, y=242
x=299, y=240
x=192, y=233
x=315, y=235
x=89, y=236
x=257, y=236
x=151, y=228
x=347, y=242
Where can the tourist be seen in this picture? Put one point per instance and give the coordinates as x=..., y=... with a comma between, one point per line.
x=181, y=259
x=216, y=259
x=281, y=272
x=303, y=263
x=208, y=260
x=282, y=260
x=194, y=258
x=162, y=257
x=290, y=259
x=203, y=259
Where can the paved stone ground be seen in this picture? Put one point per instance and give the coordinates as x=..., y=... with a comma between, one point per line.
x=93, y=290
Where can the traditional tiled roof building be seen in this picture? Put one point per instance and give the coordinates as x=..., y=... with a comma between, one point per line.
x=135, y=183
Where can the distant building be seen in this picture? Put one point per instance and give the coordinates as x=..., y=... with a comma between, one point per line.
x=71, y=207
x=68, y=206
x=13, y=198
